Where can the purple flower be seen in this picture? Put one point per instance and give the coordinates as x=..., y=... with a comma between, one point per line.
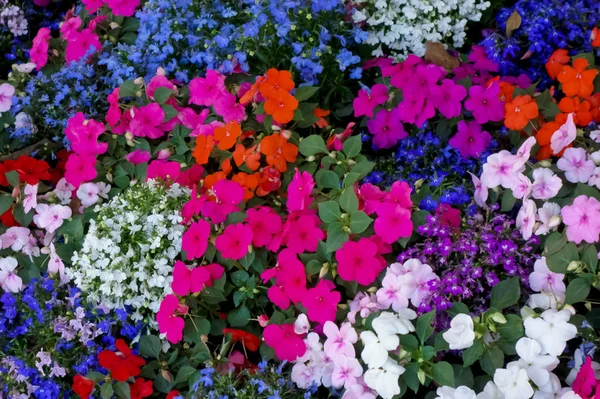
x=447, y=98
x=470, y=141
x=386, y=128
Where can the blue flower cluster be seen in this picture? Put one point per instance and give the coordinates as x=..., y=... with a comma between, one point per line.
x=545, y=27
x=186, y=37
x=421, y=160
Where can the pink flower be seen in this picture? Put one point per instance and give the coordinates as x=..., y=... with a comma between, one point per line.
x=80, y=169
x=447, y=98
x=290, y=280
x=6, y=94
x=522, y=187
x=392, y=222
x=51, y=217
x=228, y=194
x=367, y=100
x=168, y=321
x=448, y=216
x=481, y=191
x=400, y=195
x=485, y=104
x=69, y=26
x=83, y=135
x=192, y=207
x=346, y=371
x=545, y=184
x=585, y=381
x=94, y=22
x=339, y=340
x=234, y=241
x=124, y=8
x=186, y=280
x=205, y=91
x=369, y=197
x=39, y=48
x=564, y=136
x=146, y=121
x=265, y=223
x=92, y=6
x=577, y=168
x=287, y=344
x=30, y=200
x=499, y=170
x=156, y=82
x=480, y=60
x=470, y=140
x=299, y=191
x=304, y=234
x=582, y=219
x=88, y=194
x=195, y=239
x=191, y=176
x=524, y=152
x=526, y=218
x=386, y=128
x=114, y=112
x=168, y=171
x=357, y=261
x=79, y=44
x=138, y=156
x=191, y=120
x=543, y=280
x=321, y=302
x=364, y=305
x=9, y=280
x=227, y=107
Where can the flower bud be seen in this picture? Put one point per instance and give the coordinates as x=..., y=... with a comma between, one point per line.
x=138, y=93
x=527, y=312
x=128, y=136
x=554, y=221
x=324, y=270
x=275, y=128
x=263, y=320
x=332, y=154
x=161, y=71
x=595, y=157
x=574, y=265
x=165, y=153
x=372, y=290
x=421, y=376
x=287, y=134
x=139, y=81
x=311, y=158
x=498, y=318
x=351, y=162
x=545, y=163
x=114, y=25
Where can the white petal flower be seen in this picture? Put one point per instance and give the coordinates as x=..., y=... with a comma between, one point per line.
x=461, y=334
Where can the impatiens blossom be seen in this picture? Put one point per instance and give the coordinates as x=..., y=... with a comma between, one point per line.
x=461, y=334
x=461, y=392
x=195, y=239
x=563, y=136
x=367, y=100
x=549, y=218
x=346, y=371
x=146, y=121
x=234, y=241
x=447, y=98
x=470, y=140
x=545, y=184
x=227, y=195
x=30, y=200
x=521, y=187
x=544, y=280
x=302, y=325
x=299, y=191
x=526, y=218
x=375, y=348
x=205, y=91
x=513, y=382
x=339, y=340
x=388, y=323
x=321, y=302
x=303, y=234
x=357, y=261
x=6, y=94
x=265, y=224
x=287, y=344
x=581, y=219
x=163, y=170
x=51, y=217
x=39, y=48
x=187, y=281
x=386, y=128
x=125, y=8
x=169, y=323
x=500, y=170
x=138, y=156
x=384, y=380
x=536, y=365
x=393, y=222
x=9, y=280
x=577, y=167
x=481, y=192
x=80, y=169
x=484, y=103
x=79, y=43
x=88, y=194
x=552, y=330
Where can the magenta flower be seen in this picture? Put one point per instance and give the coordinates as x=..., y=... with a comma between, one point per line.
x=447, y=98
x=80, y=43
x=470, y=140
x=227, y=107
x=321, y=302
x=392, y=222
x=114, y=112
x=290, y=279
x=92, y=6
x=186, y=280
x=191, y=176
x=138, y=156
x=195, y=239
x=357, y=261
x=193, y=206
x=124, y=8
x=205, y=91
x=480, y=60
x=167, y=171
x=80, y=169
x=367, y=100
x=83, y=135
x=304, y=234
x=386, y=128
x=156, y=82
x=485, y=104
x=228, y=194
x=265, y=223
x=400, y=194
x=582, y=219
x=401, y=72
x=234, y=241
x=369, y=197
x=69, y=26
x=576, y=165
x=191, y=119
x=39, y=48
x=146, y=121
x=168, y=321
x=299, y=191
x=287, y=344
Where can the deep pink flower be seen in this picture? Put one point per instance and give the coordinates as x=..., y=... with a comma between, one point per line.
x=191, y=119
x=146, y=121
x=69, y=26
x=401, y=72
x=193, y=206
x=582, y=219
x=79, y=44
x=304, y=234
x=485, y=104
x=205, y=91
x=357, y=261
x=480, y=60
x=287, y=344
x=124, y=8
x=234, y=241
x=227, y=107
x=191, y=176
x=448, y=216
x=39, y=48
x=299, y=191
x=470, y=141
x=393, y=222
x=92, y=6
x=585, y=381
x=367, y=100
x=80, y=169
x=447, y=98
x=164, y=170
x=321, y=302
x=168, y=321
x=187, y=281
x=83, y=135
x=278, y=296
x=290, y=279
x=156, y=82
x=195, y=239
x=265, y=223
x=386, y=128
x=369, y=197
x=94, y=22
x=114, y=112
x=228, y=194
x=138, y=156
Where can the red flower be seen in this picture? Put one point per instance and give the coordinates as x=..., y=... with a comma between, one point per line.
x=172, y=394
x=8, y=219
x=250, y=341
x=122, y=364
x=30, y=170
x=140, y=389
x=82, y=386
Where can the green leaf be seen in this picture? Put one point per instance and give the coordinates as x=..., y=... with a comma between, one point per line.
x=106, y=391
x=161, y=94
x=184, y=374
x=352, y=146
x=239, y=317
x=443, y=374
x=150, y=346
x=359, y=222
x=363, y=167
x=506, y=293
x=584, y=189
x=329, y=211
x=5, y=203
x=239, y=278
x=508, y=201
x=95, y=376
x=410, y=376
x=128, y=89
x=559, y=262
x=554, y=243
x=577, y=291
x=13, y=178
x=122, y=390
x=491, y=360
x=327, y=179
x=170, y=112
x=512, y=330
x=336, y=236
x=473, y=354
x=348, y=200
x=463, y=376
x=590, y=258
x=312, y=145
x=457, y=308
x=440, y=343
x=305, y=92
x=350, y=179
x=424, y=327
x=72, y=228
x=409, y=343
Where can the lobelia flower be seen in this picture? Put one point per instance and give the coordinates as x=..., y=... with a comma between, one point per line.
x=447, y=98
x=384, y=380
x=577, y=167
x=79, y=43
x=484, y=103
x=124, y=8
x=233, y=243
x=544, y=280
x=581, y=219
x=321, y=302
x=470, y=140
x=367, y=100
x=531, y=360
x=287, y=344
x=564, y=136
x=9, y=280
x=386, y=128
x=552, y=330
x=525, y=221
x=80, y=169
x=481, y=192
x=88, y=194
x=545, y=184
x=461, y=392
x=51, y=217
x=513, y=382
x=6, y=94
x=461, y=334
x=195, y=239
x=147, y=120
x=357, y=261
x=299, y=191
x=339, y=340
x=138, y=156
x=168, y=322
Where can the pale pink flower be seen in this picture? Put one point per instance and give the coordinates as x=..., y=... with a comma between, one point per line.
x=56, y=265
x=363, y=305
x=499, y=170
x=521, y=187
x=545, y=184
x=346, y=371
x=64, y=191
x=395, y=291
x=595, y=178
x=481, y=191
x=339, y=340
x=564, y=136
x=7, y=92
x=577, y=168
x=544, y=280
x=582, y=219
x=88, y=194
x=51, y=217
x=524, y=152
x=526, y=218
x=15, y=237
x=30, y=200
x=549, y=217
x=9, y=280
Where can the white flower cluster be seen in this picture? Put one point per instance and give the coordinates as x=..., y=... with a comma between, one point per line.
x=402, y=27
x=128, y=253
x=13, y=18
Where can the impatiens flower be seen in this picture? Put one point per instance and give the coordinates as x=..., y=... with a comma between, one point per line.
x=122, y=364
x=195, y=239
x=321, y=302
x=461, y=392
x=375, y=349
x=287, y=344
x=278, y=151
x=520, y=111
x=577, y=167
x=513, y=382
x=51, y=217
x=167, y=171
x=299, y=191
x=205, y=91
x=499, y=170
x=522, y=187
x=265, y=223
x=124, y=8
x=386, y=128
x=581, y=218
x=39, y=48
x=30, y=170
x=552, y=331
x=470, y=140
x=384, y=380
x=82, y=386
x=526, y=218
x=549, y=217
x=367, y=100
x=138, y=156
x=227, y=195
x=6, y=94
x=187, y=281
x=357, y=261
x=577, y=80
x=585, y=382
x=79, y=43
x=346, y=371
x=447, y=98
x=168, y=321
x=564, y=136
x=304, y=234
x=339, y=340
x=536, y=365
x=302, y=325
x=392, y=324
x=393, y=222
x=15, y=237
x=484, y=103
x=83, y=135
x=281, y=106
x=9, y=280
x=545, y=184
x=113, y=116
x=481, y=192
x=461, y=334
x=524, y=152
x=30, y=200
x=140, y=388
x=227, y=107
x=227, y=135
x=234, y=241
x=80, y=169
x=88, y=194
x=146, y=121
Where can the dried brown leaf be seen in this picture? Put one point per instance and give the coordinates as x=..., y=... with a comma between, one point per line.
x=437, y=54
x=513, y=22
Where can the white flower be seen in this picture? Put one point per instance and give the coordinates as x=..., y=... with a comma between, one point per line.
x=536, y=365
x=461, y=392
x=551, y=389
x=549, y=216
x=461, y=334
x=544, y=280
x=8, y=277
x=26, y=68
x=384, y=380
x=375, y=349
x=388, y=323
x=552, y=330
x=301, y=325
x=570, y=395
x=490, y=391
x=513, y=382
x=51, y=217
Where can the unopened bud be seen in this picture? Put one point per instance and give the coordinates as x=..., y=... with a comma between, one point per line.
x=138, y=93
x=351, y=162
x=527, y=312
x=167, y=376
x=128, y=136
x=130, y=143
x=275, y=128
x=165, y=153
x=161, y=71
x=554, y=221
x=109, y=177
x=311, y=158
x=579, y=132
x=333, y=154
x=545, y=163
x=595, y=157
x=114, y=25
x=574, y=265
x=419, y=183
x=55, y=52
x=287, y=134
x=421, y=375
x=372, y=290
x=498, y=318
x=324, y=270
x=570, y=309
x=139, y=81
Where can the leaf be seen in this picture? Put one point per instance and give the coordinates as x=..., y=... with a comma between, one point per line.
x=506, y=293
x=457, y=308
x=359, y=222
x=554, y=243
x=424, y=327
x=590, y=258
x=239, y=278
x=239, y=317
x=491, y=360
x=312, y=145
x=409, y=343
x=184, y=374
x=305, y=92
x=327, y=179
x=508, y=201
x=350, y=179
x=150, y=346
x=161, y=94
x=5, y=203
x=13, y=178
x=577, y=291
x=122, y=390
x=473, y=354
x=352, y=146
x=443, y=374
x=363, y=167
x=128, y=89
x=336, y=237
x=410, y=376
x=512, y=330
x=436, y=53
x=584, y=189
x=329, y=211
x=170, y=112
x=559, y=262
x=463, y=376
x=513, y=22
x=106, y=391
x=348, y=200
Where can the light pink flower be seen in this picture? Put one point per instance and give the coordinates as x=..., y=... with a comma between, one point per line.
x=339, y=340
x=564, y=136
x=56, y=265
x=363, y=305
x=577, y=168
x=88, y=194
x=524, y=152
x=30, y=200
x=526, y=218
x=64, y=191
x=543, y=280
x=481, y=191
x=9, y=280
x=545, y=184
x=346, y=371
x=51, y=217
x=7, y=92
x=582, y=219
x=595, y=178
x=521, y=187
x=549, y=216
x=15, y=237
x=499, y=170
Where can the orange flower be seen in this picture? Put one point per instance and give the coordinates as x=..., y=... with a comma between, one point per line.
x=576, y=80
x=275, y=81
x=278, y=151
x=544, y=152
x=204, y=146
x=595, y=36
x=556, y=61
x=249, y=95
x=227, y=135
x=581, y=110
x=249, y=182
x=249, y=340
x=210, y=180
x=506, y=92
x=281, y=106
x=321, y=114
x=226, y=166
x=544, y=134
x=250, y=156
x=519, y=112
